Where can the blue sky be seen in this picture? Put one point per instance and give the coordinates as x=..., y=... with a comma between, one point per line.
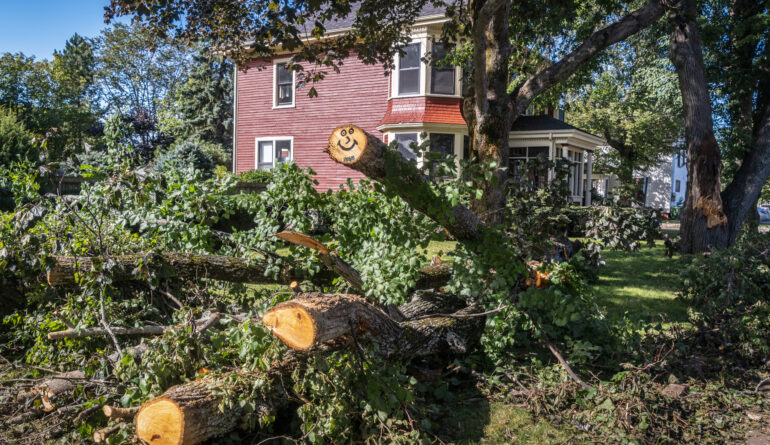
x=38, y=27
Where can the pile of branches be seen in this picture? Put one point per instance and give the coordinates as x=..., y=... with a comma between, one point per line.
x=430, y=324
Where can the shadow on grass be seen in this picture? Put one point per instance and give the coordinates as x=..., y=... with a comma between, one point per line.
x=642, y=284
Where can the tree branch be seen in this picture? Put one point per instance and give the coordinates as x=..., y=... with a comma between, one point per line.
x=598, y=41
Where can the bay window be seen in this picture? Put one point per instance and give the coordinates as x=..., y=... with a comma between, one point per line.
x=409, y=70
x=442, y=76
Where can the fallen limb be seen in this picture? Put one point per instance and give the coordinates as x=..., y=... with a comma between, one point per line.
x=351, y=146
x=200, y=325
x=431, y=277
x=313, y=319
x=175, y=264
x=117, y=413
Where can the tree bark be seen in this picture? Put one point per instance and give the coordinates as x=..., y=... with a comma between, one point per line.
x=704, y=222
x=314, y=319
x=189, y=414
x=351, y=146
x=117, y=413
x=185, y=415
x=174, y=264
x=491, y=105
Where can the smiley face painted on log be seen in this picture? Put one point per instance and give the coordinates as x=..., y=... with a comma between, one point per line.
x=347, y=143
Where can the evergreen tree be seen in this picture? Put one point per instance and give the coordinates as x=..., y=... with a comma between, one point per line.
x=204, y=104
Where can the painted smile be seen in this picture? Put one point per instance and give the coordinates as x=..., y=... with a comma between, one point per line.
x=339, y=144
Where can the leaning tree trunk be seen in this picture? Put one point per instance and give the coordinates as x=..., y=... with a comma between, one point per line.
x=703, y=222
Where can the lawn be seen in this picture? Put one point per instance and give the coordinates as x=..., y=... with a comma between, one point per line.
x=642, y=284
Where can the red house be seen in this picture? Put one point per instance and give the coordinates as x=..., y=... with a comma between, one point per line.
x=277, y=122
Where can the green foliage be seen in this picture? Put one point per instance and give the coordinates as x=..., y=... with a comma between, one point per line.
x=728, y=291
x=202, y=107
x=16, y=143
x=188, y=154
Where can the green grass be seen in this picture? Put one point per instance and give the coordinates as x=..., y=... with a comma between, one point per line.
x=642, y=284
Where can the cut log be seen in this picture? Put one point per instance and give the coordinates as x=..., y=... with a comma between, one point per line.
x=351, y=146
x=314, y=319
x=186, y=415
x=173, y=264
x=117, y=413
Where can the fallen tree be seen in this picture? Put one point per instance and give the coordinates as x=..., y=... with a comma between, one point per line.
x=175, y=264
x=200, y=326
x=313, y=322
x=123, y=268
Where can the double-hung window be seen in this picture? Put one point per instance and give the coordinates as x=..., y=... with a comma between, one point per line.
x=442, y=76
x=284, y=86
x=273, y=151
x=409, y=70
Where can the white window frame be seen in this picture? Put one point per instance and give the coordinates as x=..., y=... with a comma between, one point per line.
x=275, y=85
x=420, y=77
x=576, y=159
x=272, y=139
x=429, y=77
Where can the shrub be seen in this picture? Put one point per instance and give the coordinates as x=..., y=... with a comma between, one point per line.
x=16, y=143
x=730, y=294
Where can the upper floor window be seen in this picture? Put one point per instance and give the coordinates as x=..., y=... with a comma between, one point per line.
x=409, y=70
x=442, y=76
x=273, y=151
x=284, y=86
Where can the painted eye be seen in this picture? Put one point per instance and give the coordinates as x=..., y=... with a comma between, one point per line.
x=350, y=131
x=343, y=133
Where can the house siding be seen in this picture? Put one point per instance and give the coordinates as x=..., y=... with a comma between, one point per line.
x=358, y=95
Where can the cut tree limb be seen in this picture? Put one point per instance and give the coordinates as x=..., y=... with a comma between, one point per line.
x=51, y=388
x=314, y=319
x=174, y=264
x=189, y=414
x=351, y=146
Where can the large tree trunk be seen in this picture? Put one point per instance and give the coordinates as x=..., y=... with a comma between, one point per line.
x=704, y=222
x=492, y=108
